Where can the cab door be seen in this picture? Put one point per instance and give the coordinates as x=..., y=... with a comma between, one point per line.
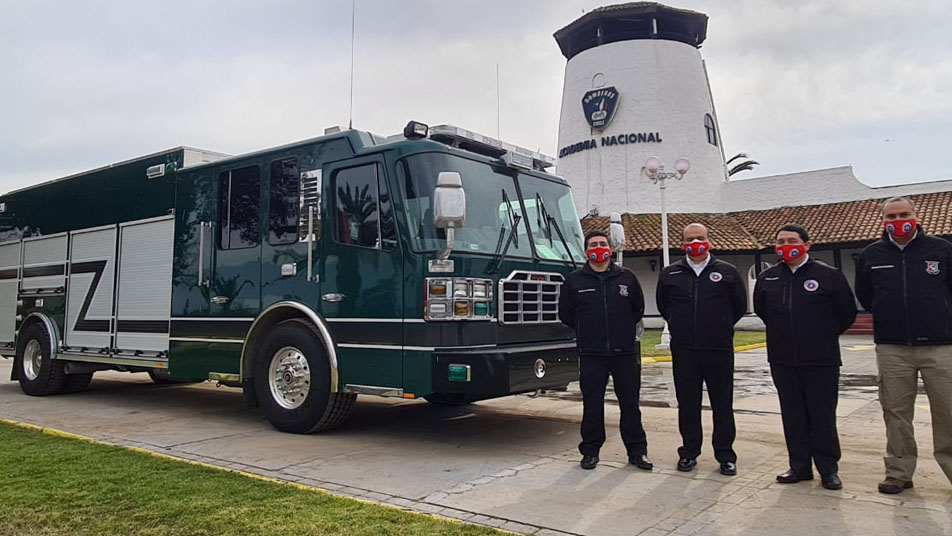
x=291, y=252
x=235, y=280
x=216, y=272
x=362, y=274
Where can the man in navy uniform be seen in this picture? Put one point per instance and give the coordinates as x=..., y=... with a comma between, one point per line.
x=905, y=279
x=603, y=303
x=701, y=298
x=806, y=305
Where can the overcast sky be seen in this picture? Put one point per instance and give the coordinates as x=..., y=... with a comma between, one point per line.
x=798, y=85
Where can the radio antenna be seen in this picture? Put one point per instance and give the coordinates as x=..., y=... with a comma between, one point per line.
x=353, y=19
x=498, y=136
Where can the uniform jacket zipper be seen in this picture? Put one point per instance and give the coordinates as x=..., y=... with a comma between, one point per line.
x=905, y=297
x=793, y=331
x=608, y=329
x=697, y=279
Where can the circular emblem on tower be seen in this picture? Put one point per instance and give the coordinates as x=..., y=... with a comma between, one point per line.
x=599, y=106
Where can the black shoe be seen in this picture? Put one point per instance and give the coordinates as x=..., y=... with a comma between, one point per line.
x=831, y=481
x=893, y=486
x=589, y=462
x=686, y=464
x=728, y=468
x=641, y=461
x=792, y=477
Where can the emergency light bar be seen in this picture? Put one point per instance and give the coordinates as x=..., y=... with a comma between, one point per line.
x=471, y=141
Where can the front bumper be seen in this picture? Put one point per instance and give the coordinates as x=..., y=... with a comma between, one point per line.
x=504, y=370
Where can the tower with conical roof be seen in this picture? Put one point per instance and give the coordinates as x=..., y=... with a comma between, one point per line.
x=636, y=86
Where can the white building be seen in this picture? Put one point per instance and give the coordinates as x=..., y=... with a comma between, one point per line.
x=641, y=63
x=636, y=86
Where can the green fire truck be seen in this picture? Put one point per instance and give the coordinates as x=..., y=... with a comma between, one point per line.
x=426, y=264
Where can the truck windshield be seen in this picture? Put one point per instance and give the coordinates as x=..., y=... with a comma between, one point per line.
x=492, y=205
x=550, y=209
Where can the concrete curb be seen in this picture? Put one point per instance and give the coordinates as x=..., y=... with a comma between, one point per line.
x=667, y=358
x=412, y=507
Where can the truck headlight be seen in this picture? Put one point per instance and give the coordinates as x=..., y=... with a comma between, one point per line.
x=458, y=299
x=461, y=288
x=480, y=290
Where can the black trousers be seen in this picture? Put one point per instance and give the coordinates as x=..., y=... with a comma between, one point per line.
x=716, y=369
x=808, y=397
x=626, y=378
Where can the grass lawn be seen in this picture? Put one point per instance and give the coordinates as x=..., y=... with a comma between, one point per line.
x=653, y=337
x=55, y=485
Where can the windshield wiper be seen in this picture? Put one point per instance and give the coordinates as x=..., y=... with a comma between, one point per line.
x=514, y=220
x=552, y=223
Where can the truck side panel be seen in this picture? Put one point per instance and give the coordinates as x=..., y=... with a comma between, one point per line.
x=144, y=296
x=91, y=286
x=9, y=286
x=44, y=263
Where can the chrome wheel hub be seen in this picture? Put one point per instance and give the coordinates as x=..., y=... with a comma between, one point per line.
x=32, y=359
x=289, y=377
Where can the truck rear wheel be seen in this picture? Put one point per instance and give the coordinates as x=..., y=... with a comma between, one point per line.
x=292, y=381
x=39, y=374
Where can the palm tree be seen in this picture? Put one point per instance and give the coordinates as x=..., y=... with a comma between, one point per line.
x=746, y=165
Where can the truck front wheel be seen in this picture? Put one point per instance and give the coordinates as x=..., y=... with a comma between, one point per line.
x=292, y=381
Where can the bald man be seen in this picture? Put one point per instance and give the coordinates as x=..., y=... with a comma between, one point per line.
x=702, y=298
x=905, y=279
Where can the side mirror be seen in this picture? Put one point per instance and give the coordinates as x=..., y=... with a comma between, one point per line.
x=449, y=201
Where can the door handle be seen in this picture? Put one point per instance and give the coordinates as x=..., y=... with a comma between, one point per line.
x=333, y=297
x=201, y=253
x=220, y=300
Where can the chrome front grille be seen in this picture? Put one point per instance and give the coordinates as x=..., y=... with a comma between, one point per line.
x=530, y=297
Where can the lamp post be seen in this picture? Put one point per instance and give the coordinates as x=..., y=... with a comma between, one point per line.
x=654, y=170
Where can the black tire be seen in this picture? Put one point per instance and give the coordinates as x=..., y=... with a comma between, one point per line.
x=76, y=382
x=449, y=399
x=161, y=377
x=320, y=409
x=48, y=375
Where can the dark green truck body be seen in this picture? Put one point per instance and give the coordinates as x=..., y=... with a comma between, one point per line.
x=331, y=231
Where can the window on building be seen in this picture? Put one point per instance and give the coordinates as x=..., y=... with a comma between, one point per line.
x=357, y=206
x=283, y=202
x=711, y=129
x=238, y=208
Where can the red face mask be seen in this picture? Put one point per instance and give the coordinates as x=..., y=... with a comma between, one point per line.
x=598, y=254
x=696, y=249
x=790, y=252
x=900, y=227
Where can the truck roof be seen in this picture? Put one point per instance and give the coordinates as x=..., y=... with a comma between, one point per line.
x=359, y=140
x=190, y=156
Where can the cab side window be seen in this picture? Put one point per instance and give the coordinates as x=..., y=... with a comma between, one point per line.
x=284, y=202
x=239, y=195
x=362, y=208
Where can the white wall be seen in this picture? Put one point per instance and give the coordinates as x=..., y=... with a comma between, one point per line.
x=815, y=187
x=648, y=279
x=662, y=88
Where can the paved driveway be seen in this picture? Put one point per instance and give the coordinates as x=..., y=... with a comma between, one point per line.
x=512, y=462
